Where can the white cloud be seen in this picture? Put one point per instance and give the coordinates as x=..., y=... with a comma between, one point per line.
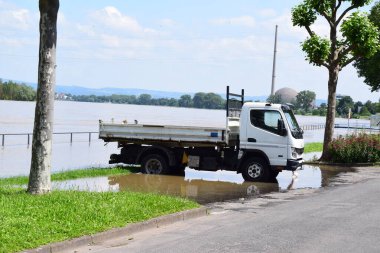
x=167, y=22
x=19, y=19
x=267, y=13
x=112, y=18
x=247, y=21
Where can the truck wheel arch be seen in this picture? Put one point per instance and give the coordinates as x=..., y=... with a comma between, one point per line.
x=249, y=154
x=166, y=153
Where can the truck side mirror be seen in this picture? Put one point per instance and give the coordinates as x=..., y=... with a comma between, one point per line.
x=281, y=127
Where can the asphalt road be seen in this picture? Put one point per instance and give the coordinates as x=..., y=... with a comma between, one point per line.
x=345, y=218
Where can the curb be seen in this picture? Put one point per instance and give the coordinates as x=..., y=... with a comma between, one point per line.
x=120, y=232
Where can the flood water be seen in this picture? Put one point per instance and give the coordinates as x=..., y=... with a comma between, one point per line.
x=17, y=117
x=207, y=187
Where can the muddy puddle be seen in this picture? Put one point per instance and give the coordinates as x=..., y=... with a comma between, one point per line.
x=207, y=187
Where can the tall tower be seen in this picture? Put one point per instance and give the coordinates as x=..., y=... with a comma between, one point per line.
x=274, y=62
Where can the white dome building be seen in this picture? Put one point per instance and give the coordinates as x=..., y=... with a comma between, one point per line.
x=288, y=95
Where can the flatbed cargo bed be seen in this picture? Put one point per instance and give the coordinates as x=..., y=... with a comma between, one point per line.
x=173, y=135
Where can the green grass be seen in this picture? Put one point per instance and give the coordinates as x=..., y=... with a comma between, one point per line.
x=28, y=221
x=71, y=174
x=313, y=147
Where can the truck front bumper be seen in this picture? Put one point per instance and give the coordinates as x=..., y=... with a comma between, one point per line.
x=294, y=164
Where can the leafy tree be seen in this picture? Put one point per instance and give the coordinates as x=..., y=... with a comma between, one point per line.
x=185, y=101
x=369, y=67
x=364, y=112
x=275, y=99
x=344, y=105
x=144, y=99
x=359, y=39
x=13, y=91
x=305, y=99
x=198, y=99
x=357, y=107
x=39, y=177
x=371, y=106
x=213, y=101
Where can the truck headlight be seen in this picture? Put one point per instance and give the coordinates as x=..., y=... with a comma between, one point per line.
x=294, y=153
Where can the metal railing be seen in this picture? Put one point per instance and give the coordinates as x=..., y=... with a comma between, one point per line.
x=29, y=135
x=313, y=127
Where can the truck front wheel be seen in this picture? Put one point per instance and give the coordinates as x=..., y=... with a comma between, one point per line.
x=153, y=164
x=255, y=169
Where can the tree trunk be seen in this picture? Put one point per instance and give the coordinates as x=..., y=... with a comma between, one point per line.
x=330, y=119
x=39, y=177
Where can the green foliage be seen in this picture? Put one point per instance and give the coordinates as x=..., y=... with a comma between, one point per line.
x=321, y=6
x=360, y=148
x=365, y=112
x=185, y=101
x=360, y=3
x=208, y=100
x=317, y=50
x=361, y=34
x=305, y=99
x=369, y=67
x=303, y=15
x=200, y=100
x=343, y=105
x=14, y=91
x=275, y=99
x=372, y=107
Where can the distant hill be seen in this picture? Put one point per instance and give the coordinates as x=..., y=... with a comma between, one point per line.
x=78, y=90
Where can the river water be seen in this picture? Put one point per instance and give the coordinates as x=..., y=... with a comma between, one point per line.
x=17, y=117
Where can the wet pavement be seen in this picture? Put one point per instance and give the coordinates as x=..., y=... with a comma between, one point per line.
x=209, y=187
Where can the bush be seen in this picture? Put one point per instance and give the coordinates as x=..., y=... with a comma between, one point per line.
x=356, y=148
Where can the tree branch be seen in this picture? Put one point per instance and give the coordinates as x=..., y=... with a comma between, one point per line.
x=325, y=65
x=339, y=4
x=329, y=20
x=311, y=33
x=345, y=51
x=348, y=62
x=344, y=14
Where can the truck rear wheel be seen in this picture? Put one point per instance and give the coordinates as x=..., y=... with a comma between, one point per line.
x=153, y=164
x=255, y=169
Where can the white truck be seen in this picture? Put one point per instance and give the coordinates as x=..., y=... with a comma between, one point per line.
x=259, y=141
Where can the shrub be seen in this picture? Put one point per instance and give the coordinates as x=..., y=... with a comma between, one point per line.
x=356, y=148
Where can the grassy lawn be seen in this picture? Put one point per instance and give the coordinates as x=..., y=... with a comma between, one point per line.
x=313, y=147
x=28, y=221
x=71, y=174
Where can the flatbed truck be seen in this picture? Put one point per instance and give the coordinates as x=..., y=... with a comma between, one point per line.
x=259, y=141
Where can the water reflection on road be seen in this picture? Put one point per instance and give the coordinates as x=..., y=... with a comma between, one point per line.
x=207, y=187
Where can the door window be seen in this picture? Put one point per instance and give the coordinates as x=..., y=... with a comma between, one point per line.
x=267, y=120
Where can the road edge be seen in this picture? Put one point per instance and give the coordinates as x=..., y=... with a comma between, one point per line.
x=123, y=231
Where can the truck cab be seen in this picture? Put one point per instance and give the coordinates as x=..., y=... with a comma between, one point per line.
x=270, y=139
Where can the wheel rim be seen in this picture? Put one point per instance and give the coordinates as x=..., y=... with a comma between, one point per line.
x=153, y=166
x=255, y=170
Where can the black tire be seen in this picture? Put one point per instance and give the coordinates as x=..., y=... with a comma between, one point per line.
x=178, y=170
x=255, y=169
x=154, y=164
x=273, y=174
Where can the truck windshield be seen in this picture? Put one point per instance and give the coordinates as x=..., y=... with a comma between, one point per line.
x=292, y=122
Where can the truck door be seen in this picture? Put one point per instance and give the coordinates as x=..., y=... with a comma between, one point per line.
x=263, y=134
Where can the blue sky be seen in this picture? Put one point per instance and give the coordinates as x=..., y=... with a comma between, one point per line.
x=172, y=45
